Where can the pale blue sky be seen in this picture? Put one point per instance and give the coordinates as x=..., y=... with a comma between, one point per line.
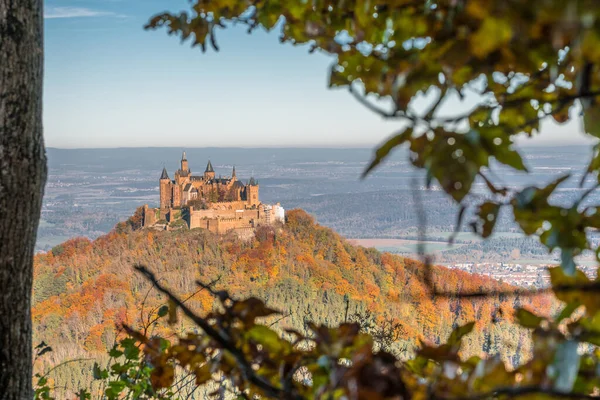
x=109, y=83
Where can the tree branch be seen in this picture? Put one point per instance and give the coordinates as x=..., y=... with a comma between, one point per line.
x=219, y=337
x=520, y=391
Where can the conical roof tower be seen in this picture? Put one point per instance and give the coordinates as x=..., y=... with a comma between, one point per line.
x=164, y=174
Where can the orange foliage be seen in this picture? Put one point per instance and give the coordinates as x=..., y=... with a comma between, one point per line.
x=295, y=267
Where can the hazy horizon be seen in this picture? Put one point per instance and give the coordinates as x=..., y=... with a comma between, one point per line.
x=341, y=147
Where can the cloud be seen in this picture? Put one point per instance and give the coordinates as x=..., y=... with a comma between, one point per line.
x=74, y=12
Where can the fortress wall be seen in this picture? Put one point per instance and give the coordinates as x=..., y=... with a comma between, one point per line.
x=198, y=223
x=174, y=214
x=198, y=219
x=149, y=215
x=250, y=214
x=203, y=213
x=212, y=225
x=228, y=205
x=227, y=214
x=226, y=225
x=164, y=213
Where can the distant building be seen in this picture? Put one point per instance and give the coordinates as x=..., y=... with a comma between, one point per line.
x=218, y=204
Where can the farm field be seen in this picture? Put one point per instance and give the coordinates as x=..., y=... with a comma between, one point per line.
x=403, y=245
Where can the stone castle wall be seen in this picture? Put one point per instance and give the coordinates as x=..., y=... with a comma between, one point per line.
x=222, y=221
x=228, y=205
x=219, y=221
x=149, y=216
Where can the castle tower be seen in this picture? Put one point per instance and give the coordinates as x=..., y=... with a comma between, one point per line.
x=165, y=189
x=233, y=177
x=184, y=164
x=209, y=173
x=252, y=193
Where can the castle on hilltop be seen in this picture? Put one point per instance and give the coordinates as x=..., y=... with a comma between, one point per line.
x=220, y=204
x=186, y=188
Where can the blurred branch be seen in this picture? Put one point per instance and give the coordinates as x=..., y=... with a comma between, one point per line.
x=519, y=391
x=385, y=114
x=218, y=336
x=422, y=232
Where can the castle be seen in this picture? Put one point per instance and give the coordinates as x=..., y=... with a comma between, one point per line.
x=220, y=204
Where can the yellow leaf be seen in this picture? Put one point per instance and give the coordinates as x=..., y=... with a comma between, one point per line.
x=591, y=120
x=570, y=289
x=590, y=47
x=491, y=35
x=162, y=376
x=172, y=313
x=477, y=9
x=268, y=339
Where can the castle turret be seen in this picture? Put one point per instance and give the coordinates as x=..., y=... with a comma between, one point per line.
x=233, y=177
x=209, y=173
x=165, y=189
x=252, y=193
x=184, y=164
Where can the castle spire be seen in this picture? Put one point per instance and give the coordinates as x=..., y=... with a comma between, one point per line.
x=164, y=175
x=233, y=173
x=209, y=167
x=185, y=169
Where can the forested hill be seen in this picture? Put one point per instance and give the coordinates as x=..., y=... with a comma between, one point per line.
x=84, y=288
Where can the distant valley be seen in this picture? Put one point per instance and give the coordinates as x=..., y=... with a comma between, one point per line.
x=90, y=190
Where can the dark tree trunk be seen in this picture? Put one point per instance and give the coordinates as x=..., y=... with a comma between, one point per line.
x=22, y=179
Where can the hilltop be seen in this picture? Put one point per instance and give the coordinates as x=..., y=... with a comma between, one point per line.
x=84, y=288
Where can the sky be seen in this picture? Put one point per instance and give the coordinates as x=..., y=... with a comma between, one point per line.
x=110, y=83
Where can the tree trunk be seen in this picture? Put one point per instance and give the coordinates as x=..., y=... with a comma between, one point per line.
x=22, y=179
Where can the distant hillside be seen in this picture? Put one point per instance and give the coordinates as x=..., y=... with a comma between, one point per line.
x=83, y=288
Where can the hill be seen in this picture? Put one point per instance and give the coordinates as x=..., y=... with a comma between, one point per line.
x=83, y=289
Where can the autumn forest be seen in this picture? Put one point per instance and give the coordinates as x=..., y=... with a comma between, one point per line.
x=85, y=290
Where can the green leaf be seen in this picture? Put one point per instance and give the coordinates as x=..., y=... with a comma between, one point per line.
x=99, y=373
x=114, y=389
x=162, y=311
x=459, y=333
x=527, y=319
x=594, y=165
x=531, y=207
x=131, y=351
x=384, y=150
x=115, y=353
x=172, y=313
x=269, y=339
x=591, y=120
x=83, y=394
x=571, y=289
x=488, y=214
x=491, y=35
x=567, y=311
